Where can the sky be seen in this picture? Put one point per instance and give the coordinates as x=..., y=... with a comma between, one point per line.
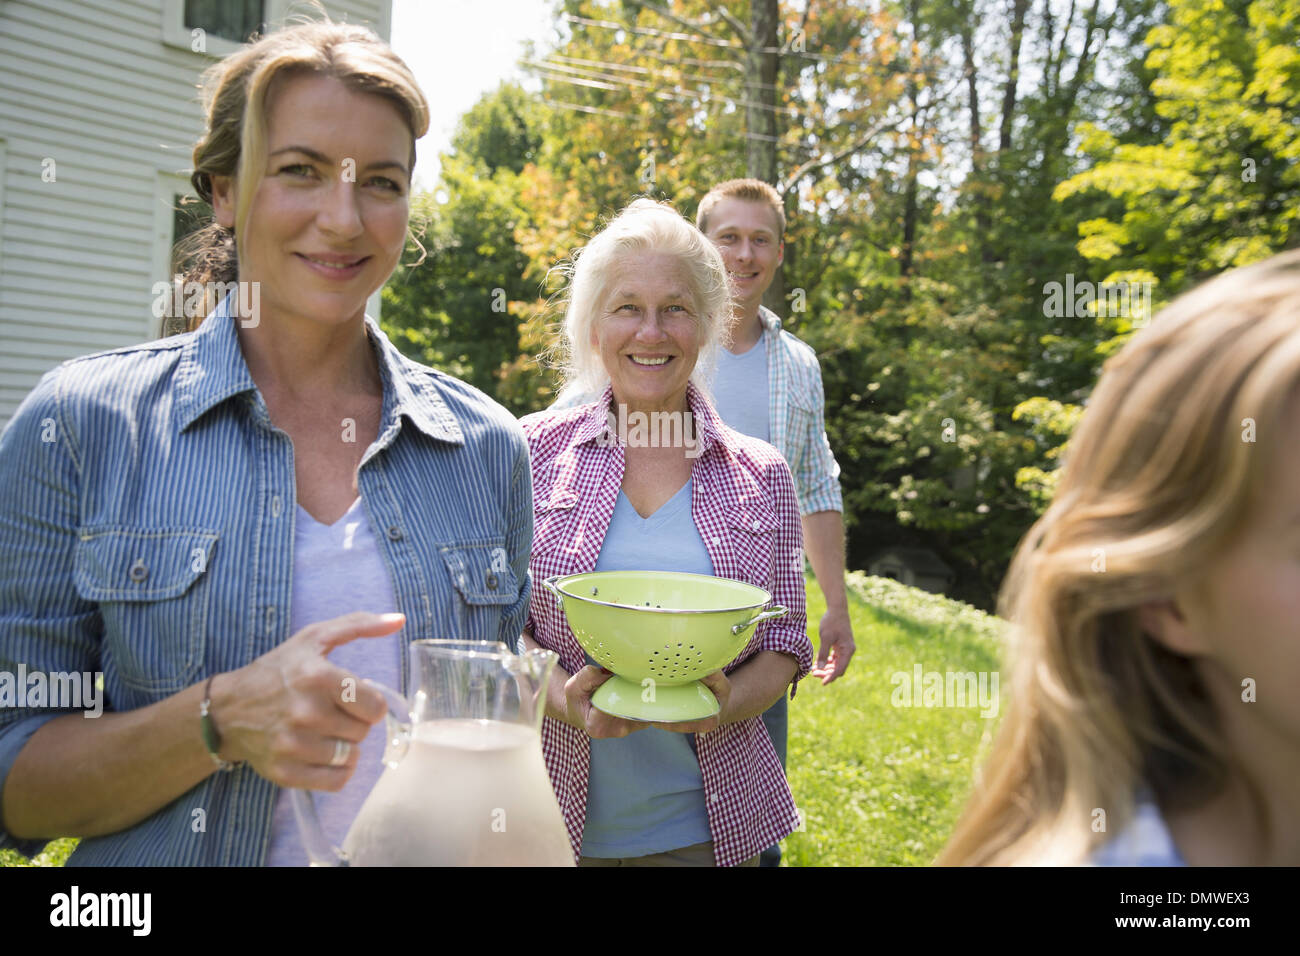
x=458, y=50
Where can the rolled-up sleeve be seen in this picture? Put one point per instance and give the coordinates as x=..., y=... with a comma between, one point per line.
x=45, y=626
x=819, y=472
x=788, y=634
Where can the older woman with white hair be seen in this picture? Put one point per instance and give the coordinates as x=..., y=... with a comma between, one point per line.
x=648, y=306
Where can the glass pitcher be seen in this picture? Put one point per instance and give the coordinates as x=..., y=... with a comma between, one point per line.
x=464, y=782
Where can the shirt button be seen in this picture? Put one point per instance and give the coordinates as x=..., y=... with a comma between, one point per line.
x=277, y=506
x=138, y=570
x=270, y=619
x=714, y=797
x=394, y=533
x=716, y=540
x=755, y=525
x=491, y=581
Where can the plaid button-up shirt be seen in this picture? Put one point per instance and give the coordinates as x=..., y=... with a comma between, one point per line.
x=743, y=503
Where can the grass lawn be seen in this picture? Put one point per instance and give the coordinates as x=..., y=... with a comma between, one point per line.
x=877, y=784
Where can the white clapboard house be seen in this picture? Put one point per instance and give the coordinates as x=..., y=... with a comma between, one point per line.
x=99, y=111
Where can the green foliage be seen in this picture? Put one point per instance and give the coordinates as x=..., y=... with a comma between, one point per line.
x=56, y=853
x=924, y=227
x=457, y=309
x=1222, y=188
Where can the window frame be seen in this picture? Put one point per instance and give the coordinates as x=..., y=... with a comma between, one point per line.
x=175, y=34
x=165, y=188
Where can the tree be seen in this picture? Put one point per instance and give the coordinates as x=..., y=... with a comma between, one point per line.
x=458, y=308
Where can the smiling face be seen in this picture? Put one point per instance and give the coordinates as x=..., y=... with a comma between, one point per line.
x=748, y=236
x=647, y=333
x=328, y=221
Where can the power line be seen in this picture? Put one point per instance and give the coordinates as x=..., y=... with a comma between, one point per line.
x=648, y=31
x=586, y=109
x=697, y=38
x=725, y=133
x=609, y=81
x=666, y=74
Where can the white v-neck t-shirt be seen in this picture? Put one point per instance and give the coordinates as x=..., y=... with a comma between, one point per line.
x=338, y=569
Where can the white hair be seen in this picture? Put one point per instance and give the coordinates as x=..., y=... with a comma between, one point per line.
x=644, y=226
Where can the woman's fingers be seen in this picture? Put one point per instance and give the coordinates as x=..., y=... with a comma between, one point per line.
x=691, y=726
x=584, y=682
x=327, y=635
x=598, y=724
x=578, y=690
x=603, y=726
x=287, y=707
x=300, y=776
x=721, y=687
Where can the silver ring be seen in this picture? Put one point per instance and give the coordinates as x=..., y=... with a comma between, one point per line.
x=341, y=750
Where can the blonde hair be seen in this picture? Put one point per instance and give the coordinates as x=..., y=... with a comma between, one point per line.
x=234, y=100
x=645, y=226
x=1158, y=481
x=748, y=190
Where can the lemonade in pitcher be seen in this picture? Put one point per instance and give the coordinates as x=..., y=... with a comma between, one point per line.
x=465, y=783
x=467, y=793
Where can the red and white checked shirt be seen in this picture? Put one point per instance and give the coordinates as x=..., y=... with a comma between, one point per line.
x=744, y=505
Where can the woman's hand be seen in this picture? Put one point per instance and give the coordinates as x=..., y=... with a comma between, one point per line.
x=284, y=713
x=721, y=687
x=583, y=715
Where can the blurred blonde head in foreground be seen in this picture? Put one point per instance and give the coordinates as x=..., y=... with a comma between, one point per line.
x=1161, y=585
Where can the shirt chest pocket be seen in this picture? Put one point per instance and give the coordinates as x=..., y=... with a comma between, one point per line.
x=553, y=523
x=485, y=587
x=752, y=528
x=153, y=590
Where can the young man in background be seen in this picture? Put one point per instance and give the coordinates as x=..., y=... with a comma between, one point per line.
x=769, y=385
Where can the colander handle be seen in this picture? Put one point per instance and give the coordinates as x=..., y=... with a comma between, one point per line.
x=549, y=584
x=775, y=610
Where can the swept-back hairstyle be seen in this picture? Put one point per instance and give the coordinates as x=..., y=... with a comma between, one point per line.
x=1157, y=482
x=234, y=100
x=645, y=226
x=749, y=190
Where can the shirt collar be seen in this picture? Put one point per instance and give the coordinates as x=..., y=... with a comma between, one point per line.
x=596, y=422
x=212, y=370
x=771, y=321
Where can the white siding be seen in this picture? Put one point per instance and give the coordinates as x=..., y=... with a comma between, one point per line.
x=90, y=85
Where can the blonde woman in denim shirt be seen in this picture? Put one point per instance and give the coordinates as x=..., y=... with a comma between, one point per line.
x=194, y=516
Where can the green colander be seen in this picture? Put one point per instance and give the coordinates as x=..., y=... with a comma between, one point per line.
x=659, y=632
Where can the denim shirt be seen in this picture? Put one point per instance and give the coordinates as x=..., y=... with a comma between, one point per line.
x=147, y=530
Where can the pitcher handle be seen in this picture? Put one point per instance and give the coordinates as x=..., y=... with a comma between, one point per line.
x=319, y=849
x=775, y=610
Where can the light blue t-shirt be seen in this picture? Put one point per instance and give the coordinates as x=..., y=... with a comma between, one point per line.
x=645, y=793
x=740, y=391
x=337, y=569
x=1145, y=842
